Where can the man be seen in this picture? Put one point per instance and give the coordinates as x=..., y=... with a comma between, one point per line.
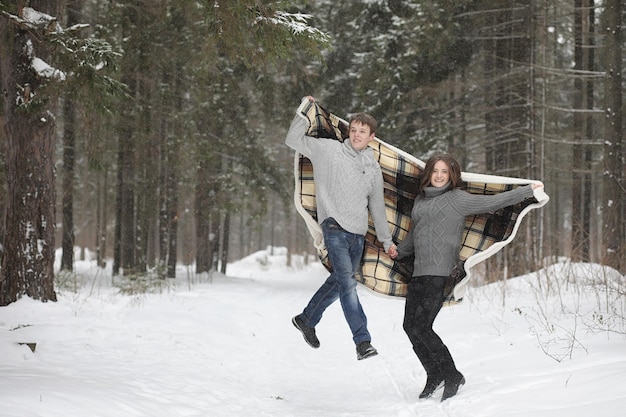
x=348, y=182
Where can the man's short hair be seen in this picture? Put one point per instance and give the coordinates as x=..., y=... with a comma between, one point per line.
x=364, y=119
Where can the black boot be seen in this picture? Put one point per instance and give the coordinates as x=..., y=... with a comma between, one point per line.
x=433, y=384
x=452, y=384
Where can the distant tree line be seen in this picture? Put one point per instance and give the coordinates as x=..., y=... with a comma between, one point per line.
x=163, y=144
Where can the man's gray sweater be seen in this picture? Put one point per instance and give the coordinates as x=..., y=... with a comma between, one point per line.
x=438, y=222
x=347, y=182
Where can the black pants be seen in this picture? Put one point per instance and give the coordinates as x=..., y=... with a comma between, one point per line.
x=423, y=302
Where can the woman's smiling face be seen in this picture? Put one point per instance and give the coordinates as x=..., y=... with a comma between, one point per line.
x=440, y=175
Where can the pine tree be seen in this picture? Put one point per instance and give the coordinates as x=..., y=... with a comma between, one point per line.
x=38, y=58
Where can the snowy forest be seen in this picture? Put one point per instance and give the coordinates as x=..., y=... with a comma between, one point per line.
x=151, y=133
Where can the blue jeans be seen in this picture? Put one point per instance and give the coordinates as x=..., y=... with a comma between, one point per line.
x=345, y=250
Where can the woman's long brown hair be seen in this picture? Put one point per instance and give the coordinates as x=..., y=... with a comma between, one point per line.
x=453, y=167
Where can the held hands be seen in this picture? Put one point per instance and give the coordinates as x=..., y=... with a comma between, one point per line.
x=393, y=251
x=536, y=185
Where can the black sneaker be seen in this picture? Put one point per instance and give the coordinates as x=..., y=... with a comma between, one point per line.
x=452, y=385
x=307, y=332
x=365, y=350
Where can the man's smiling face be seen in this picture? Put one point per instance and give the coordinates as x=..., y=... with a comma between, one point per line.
x=360, y=136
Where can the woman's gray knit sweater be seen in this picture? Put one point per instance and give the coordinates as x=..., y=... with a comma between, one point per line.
x=438, y=222
x=347, y=182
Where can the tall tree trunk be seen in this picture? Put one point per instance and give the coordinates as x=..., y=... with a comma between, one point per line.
x=583, y=103
x=171, y=134
x=225, y=243
x=207, y=204
x=203, y=216
x=101, y=217
x=124, y=243
x=117, y=233
x=176, y=137
x=458, y=143
x=74, y=8
x=67, y=199
x=509, y=153
x=507, y=118
x=28, y=110
x=214, y=240
x=147, y=200
x=172, y=207
x=614, y=200
x=125, y=250
x=163, y=216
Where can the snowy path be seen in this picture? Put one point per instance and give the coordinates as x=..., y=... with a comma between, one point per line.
x=228, y=348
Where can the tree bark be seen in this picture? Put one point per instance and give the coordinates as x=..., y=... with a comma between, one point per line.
x=29, y=109
x=207, y=204
x=507, y=119
x=614, y=252
x=172, y=207
x=225, y=245
x=67, y=199
x=124, y=250
x=74, y=8
x=203, y=217
x=583, y=130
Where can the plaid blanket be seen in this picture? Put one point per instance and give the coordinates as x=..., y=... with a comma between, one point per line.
x=484, y=234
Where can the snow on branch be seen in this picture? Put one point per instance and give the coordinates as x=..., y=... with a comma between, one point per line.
x=34, y=21
x=46, y=71
x=31, y=19
x=296, y=23
x=40, y=20
x=82, y=52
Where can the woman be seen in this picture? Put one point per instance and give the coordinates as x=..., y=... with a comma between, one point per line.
x=438, y=220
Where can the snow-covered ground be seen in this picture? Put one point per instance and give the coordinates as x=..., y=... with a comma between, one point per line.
x=225, y=346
